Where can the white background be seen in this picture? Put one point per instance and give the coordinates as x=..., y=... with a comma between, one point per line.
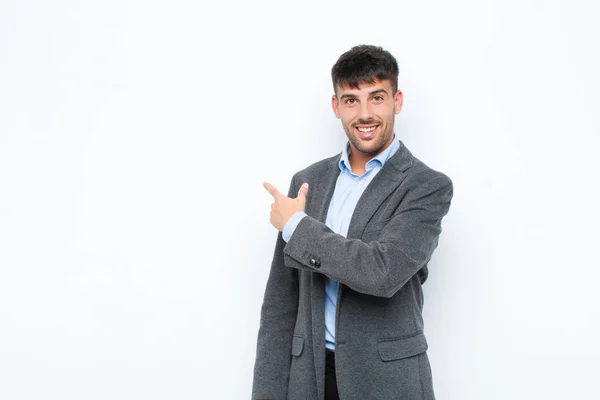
x=134, y=230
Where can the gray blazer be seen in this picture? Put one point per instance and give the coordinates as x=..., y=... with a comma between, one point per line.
x=380, y=350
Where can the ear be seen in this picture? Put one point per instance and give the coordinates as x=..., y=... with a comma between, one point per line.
x=335, y=104
x=398, y=101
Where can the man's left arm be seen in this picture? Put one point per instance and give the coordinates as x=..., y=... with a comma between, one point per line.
x=380, y=267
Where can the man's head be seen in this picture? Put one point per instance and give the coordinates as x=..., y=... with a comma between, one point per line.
x=366, y=99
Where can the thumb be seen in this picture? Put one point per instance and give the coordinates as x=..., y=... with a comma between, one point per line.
x=302, y=192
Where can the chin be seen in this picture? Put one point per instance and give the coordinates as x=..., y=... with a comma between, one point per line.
x=368, y=148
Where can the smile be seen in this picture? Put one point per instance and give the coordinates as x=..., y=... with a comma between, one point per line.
x=366, y=129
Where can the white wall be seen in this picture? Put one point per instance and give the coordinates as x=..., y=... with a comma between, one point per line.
x=134, y=231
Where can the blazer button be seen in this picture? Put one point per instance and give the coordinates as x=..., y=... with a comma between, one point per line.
x=314, y=263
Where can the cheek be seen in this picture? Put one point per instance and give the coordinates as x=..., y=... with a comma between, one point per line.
x=346, y=118
x=349, y=123
x=389, y=116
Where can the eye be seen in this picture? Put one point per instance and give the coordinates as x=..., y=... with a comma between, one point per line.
x=350, y=101
x=378, y=98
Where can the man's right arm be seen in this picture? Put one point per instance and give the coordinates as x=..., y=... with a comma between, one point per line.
x=278, y=317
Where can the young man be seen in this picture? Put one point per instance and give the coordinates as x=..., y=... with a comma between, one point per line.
x=341, y=316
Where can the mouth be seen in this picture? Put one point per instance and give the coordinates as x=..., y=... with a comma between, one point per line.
x=366, y=131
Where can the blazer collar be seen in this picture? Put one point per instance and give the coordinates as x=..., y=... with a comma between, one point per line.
x=382, y=185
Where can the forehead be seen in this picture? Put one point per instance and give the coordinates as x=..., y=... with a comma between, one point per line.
x=364, y=88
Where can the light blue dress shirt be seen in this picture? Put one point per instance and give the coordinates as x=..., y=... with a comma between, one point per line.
x=348, y=189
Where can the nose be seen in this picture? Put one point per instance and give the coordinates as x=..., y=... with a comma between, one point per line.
x=365, y=111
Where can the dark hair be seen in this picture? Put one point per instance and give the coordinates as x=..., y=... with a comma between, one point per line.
x=364, y=64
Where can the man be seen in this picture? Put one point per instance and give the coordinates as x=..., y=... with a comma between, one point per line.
x=341, y=316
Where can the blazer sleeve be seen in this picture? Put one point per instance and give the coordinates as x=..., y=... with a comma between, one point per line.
x=277, y=320
x=380, y=267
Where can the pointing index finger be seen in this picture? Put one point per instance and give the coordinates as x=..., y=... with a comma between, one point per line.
x=271, y=189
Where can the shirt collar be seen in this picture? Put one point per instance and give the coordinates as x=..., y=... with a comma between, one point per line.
x=380, y=158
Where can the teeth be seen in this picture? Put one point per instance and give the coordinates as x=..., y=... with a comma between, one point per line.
x=367, y=129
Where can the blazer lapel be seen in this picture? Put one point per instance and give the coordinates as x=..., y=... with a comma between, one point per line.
x=384, y=183
x=320, y=192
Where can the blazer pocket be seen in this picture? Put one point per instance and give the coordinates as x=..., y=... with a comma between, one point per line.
x=396, y=349
x=297, y=345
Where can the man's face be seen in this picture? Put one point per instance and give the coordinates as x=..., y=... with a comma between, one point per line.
x=367, y=114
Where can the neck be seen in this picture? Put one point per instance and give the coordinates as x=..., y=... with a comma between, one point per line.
x=358, y=160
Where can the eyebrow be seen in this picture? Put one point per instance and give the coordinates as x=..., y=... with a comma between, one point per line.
x=374, y=92
x=378, y=91
x=347, y=96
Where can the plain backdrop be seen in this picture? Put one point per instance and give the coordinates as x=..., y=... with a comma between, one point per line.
x=135, y=241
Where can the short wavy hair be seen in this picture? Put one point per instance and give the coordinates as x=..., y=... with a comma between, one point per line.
x=364, y=64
